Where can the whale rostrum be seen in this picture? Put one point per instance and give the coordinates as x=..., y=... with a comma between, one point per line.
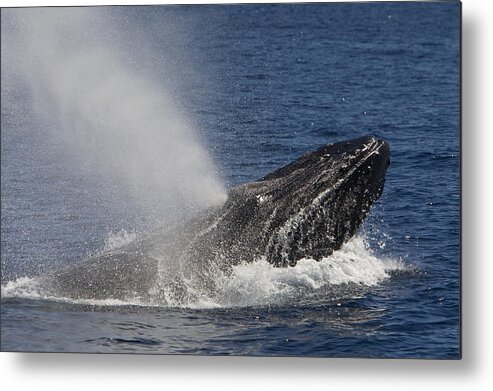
x=306, y=209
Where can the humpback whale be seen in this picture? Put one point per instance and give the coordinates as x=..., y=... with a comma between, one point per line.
x=306, y=209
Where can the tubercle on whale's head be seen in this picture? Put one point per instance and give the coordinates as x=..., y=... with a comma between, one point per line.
x=317, y=203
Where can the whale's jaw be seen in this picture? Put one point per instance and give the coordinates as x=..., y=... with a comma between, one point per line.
x=317, y=203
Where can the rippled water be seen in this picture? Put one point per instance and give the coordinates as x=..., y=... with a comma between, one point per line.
x=263, y=85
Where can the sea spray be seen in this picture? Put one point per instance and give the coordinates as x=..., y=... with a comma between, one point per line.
x=260, y=284
x=95, y=95
x=348, y=273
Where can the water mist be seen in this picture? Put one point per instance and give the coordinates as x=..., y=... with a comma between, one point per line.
x=96, y=97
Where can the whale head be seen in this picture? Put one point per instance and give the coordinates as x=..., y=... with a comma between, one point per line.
x=306, y=209
x=310, y=207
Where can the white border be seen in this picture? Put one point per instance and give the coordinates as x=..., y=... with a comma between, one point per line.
x=474, y=372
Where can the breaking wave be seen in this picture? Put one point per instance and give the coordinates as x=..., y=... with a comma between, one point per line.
x=354, y=267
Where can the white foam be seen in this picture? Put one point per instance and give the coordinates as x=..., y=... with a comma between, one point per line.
x=24, y=287
x=259, y=283
x=33, y=288
x=250, y=284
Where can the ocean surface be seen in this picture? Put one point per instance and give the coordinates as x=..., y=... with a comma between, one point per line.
x=259, y=85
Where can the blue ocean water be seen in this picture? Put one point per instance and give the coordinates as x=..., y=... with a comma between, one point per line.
x=263, y=84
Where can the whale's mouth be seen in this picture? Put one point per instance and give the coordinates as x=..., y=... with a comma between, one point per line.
x=324, y=198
